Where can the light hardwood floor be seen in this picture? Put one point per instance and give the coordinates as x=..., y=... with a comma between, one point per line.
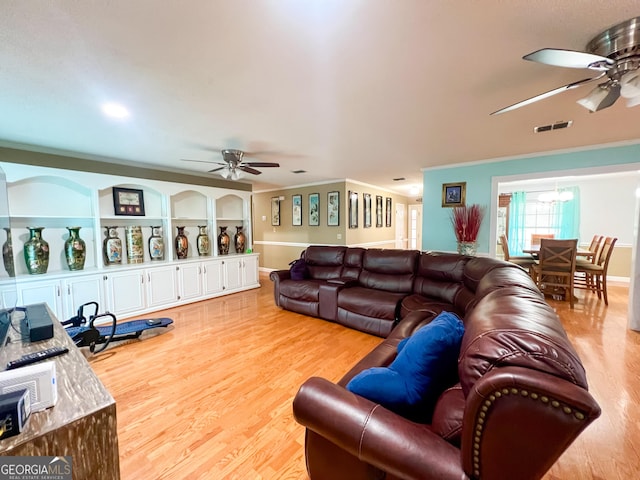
x=211, y=397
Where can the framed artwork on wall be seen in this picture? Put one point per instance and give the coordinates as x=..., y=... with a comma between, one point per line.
x=314, y=209
x=454, y=194
x=296, y=213
x=378, y=211
x=333, y=209
x=275, y=211
x=128, y=201
x=353, y=209
x=366, y=197
x=388, y=212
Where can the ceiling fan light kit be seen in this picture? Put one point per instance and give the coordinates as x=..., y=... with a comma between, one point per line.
x=614, y=53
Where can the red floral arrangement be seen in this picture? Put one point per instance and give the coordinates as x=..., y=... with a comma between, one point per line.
x=466, y=222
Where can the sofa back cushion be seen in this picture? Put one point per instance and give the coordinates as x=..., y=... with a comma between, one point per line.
x=352, y=263
x=324, y=262
x=514, y=326
x=390, y=270
x=439, y=276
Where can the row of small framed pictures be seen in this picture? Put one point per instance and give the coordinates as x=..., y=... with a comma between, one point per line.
x=366, y=200
x=333, y=210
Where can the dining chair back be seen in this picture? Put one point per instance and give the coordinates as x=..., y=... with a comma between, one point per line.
x=537, y=237
x=555, y=270
x=593, y=276
x=525, y=261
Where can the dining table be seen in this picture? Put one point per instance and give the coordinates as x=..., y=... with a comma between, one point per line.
x=580, y=252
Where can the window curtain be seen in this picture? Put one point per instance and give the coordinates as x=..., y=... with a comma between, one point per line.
x=568, y=214
x=517, y=210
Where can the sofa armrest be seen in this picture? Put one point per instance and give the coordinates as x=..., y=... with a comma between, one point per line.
x=276, y=277
x=549, y=413
x=374, y=434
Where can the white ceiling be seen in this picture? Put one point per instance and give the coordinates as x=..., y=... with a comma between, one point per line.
x=367, y=90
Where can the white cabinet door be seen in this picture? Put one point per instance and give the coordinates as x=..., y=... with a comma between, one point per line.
x=250, y=274
x=190, y=281
x=81, y=290
x=232, y=273
x=125, y=292
x=212, y=277
x=161, y=286
x=47, y=291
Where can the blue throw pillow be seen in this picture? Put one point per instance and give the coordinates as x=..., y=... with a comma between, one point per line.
x=426, y=365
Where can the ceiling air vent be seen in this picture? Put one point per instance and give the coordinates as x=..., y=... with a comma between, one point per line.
x=553, y=126
x=298, y=171
x=399, y=179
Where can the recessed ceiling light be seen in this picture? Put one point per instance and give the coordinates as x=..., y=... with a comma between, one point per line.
x=115, y=110
x=414, y=191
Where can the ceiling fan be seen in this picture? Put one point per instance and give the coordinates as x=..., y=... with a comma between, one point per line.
x=615, y=54
x=234, y=164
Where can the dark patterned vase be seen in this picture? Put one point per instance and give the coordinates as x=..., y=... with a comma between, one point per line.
x=75, y=249
x=182, y=244
x=36, y=252
x=239, y=240
x=223, y=241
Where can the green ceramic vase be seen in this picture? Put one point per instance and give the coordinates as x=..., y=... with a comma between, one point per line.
x=75, y=249
x=36, y=252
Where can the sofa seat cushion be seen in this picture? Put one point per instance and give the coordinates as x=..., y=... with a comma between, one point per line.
x=304, y=290
x=426, y=364
x=369, y=302
x=421, y=303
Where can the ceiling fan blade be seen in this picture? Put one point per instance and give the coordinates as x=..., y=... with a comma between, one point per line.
x=217, y=169
x=200, y=161
x=253, y=171
x=569, y=59
x=261, y=164
x=548, y=94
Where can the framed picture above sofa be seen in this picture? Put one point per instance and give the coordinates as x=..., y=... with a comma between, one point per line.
x=353, y=209
x=333, y=209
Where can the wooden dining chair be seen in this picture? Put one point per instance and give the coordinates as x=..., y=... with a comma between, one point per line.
x=536, y=237
x=524, y=261
x=555, y=269
x=593, y=276
x=594, y=248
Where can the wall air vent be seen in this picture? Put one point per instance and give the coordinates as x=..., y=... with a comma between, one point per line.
x=553, y=126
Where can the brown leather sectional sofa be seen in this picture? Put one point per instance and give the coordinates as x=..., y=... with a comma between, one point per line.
x=521, y=397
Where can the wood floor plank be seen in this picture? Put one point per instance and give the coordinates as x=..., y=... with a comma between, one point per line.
x=211, y=397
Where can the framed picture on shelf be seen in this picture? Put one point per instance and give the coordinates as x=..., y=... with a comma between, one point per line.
x=353, y=209
x=378, y=211
x=128, y=201
x=333, y=209
x=296, y=213
x=366, y=197
x=314, y=209
x=454, y=194
x=388, y=212
x=275, y=211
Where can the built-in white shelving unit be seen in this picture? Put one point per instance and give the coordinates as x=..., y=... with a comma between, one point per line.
x=57, y=199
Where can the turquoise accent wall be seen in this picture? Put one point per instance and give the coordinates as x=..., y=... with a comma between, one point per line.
x=437, y=233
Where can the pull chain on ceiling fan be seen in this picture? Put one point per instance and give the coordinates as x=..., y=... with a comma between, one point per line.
x=615, y=53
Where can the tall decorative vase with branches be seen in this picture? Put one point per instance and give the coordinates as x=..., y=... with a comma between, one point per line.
x=466, y=223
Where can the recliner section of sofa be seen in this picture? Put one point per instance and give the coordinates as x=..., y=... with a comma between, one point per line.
x=520, y=399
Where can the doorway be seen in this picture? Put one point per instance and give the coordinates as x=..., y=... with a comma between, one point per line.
x=401, y=226
x=415, y=227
